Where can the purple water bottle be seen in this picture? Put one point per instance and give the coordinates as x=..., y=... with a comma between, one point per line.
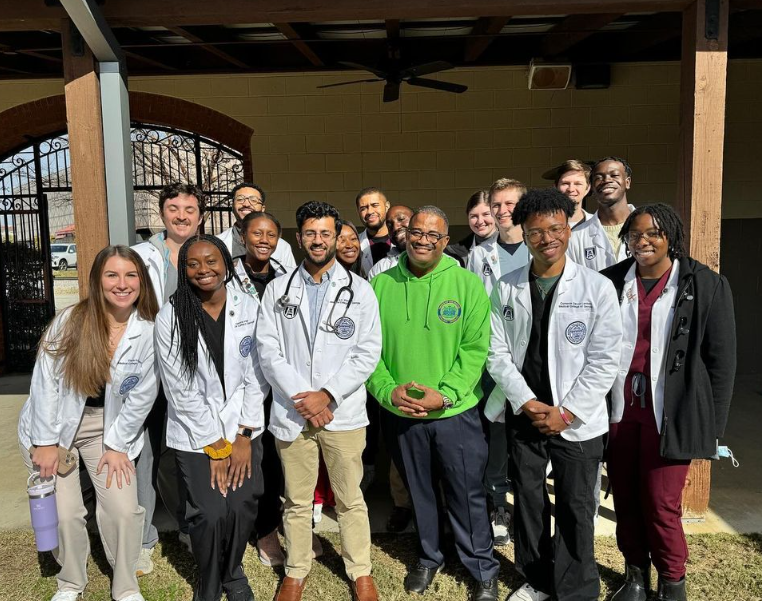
x=42, y=507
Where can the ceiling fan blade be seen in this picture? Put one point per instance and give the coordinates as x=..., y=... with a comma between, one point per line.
x=391, y=91
x=437, y=85
x=346, y=83
x=375, y=72
x=425, y=69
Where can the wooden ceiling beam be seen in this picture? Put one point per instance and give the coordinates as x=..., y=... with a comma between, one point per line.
x=149, y=61
x=287, y=29
x=392, y=29
x=28, y=16
x=486, y=28
x=210, y=48
x=572, y=30
x=650, y=32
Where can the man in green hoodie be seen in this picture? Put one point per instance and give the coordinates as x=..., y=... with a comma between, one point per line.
x=435, y=328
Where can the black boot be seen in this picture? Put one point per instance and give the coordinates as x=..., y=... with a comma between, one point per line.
x=671, y=591
x=637, y=583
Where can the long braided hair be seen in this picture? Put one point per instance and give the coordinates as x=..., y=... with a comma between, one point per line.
x=189, y=315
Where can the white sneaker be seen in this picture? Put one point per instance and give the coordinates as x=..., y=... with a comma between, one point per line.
x=527, y=593
x=317, y=513
x=145, y=563
x=184, y=538
x=66, y=596
x=133, y=597
x=500, y=520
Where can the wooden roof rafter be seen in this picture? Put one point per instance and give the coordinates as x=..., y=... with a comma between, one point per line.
x=485, y=30
x=573, y=30
x=288, y=30
x=207, y=46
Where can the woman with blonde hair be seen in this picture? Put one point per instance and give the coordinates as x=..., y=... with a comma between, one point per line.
x=93, y=385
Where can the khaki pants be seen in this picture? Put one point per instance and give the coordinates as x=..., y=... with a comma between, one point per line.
x=119, y=517
x=342, y=452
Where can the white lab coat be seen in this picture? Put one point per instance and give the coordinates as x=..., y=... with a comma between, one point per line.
x=589, y=245
x=662, y=312
x=282, y=255
x=386, y=263
x=484, y=260
x=199, y=412
x=584, y=339
x=53, y=412
x=340, y=366
x=247, y=287
x=154, y=261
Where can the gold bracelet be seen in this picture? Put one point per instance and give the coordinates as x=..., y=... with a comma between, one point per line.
x=222, y=453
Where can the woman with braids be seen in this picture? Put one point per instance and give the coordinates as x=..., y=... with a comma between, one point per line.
x=671, y=399
x=260, y=233
x=93, y=385
x=210, y=371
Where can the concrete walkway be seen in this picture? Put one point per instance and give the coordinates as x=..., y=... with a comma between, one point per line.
x=735, y=507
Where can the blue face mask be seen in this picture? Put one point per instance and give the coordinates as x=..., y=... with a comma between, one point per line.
x=725, y=452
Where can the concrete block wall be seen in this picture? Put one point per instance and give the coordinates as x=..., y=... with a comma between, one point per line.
x=435, y=147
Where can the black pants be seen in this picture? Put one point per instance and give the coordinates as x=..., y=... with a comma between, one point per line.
x=220, y=527
x=456, y=448
x=270, y=512
x=562, y=565
x=371, y=431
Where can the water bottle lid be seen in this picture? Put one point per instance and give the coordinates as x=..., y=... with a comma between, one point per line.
x=44, y=488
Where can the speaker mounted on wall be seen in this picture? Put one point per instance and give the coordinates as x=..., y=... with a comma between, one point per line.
x=549, y=76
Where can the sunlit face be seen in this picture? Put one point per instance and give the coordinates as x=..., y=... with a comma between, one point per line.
x=481, y=221
x=646, y=242
x=247, y=200
x=547, y=237
x=318, y=240
x=260, y=238
x=181, y=217
x=347, y=246
x=426, y=240
x=610, y=183
x=502, y=204
x=372, y=209
x=397, y=222
x=120, y=282
x=205, y=267
x=574, y=184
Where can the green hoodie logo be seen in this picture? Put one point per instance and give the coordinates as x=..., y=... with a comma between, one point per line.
x=449, y=311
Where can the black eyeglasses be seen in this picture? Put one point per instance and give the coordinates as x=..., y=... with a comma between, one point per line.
x=434, y=237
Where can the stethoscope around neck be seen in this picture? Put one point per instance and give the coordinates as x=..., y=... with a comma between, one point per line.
x=285, y=300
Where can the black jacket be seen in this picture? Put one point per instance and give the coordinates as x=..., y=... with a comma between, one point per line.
x=700, y=363
x=459, y=250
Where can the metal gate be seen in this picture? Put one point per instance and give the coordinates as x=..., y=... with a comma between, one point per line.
x=35, y=201
x=26, y=279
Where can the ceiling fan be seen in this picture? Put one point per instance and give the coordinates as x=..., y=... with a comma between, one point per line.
x=395, y=76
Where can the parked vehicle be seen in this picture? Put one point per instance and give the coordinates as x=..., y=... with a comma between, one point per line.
x=63, y=256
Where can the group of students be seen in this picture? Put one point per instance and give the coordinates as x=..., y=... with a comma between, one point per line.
x=227, y=377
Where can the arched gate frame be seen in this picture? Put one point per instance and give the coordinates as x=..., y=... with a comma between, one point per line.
x=36, y=179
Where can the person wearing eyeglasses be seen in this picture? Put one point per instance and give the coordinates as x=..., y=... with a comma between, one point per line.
x=554, y=355
x=181, y=207
x=671, y=398
x=319, y=339
x=250, y=198
x=435, y=332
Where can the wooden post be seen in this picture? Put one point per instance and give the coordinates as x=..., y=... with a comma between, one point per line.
x=702, y=135
x=88, y=168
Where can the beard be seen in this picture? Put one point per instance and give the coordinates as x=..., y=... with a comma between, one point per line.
x=330, y=253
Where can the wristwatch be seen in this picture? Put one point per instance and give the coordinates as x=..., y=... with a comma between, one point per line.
x=247, y=432
x=446, y=402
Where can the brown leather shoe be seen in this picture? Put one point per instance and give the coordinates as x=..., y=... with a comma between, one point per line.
x=364, y=589
x=291, y=589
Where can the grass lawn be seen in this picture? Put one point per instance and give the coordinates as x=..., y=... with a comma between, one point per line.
x=722, y=567
x=68, y=273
